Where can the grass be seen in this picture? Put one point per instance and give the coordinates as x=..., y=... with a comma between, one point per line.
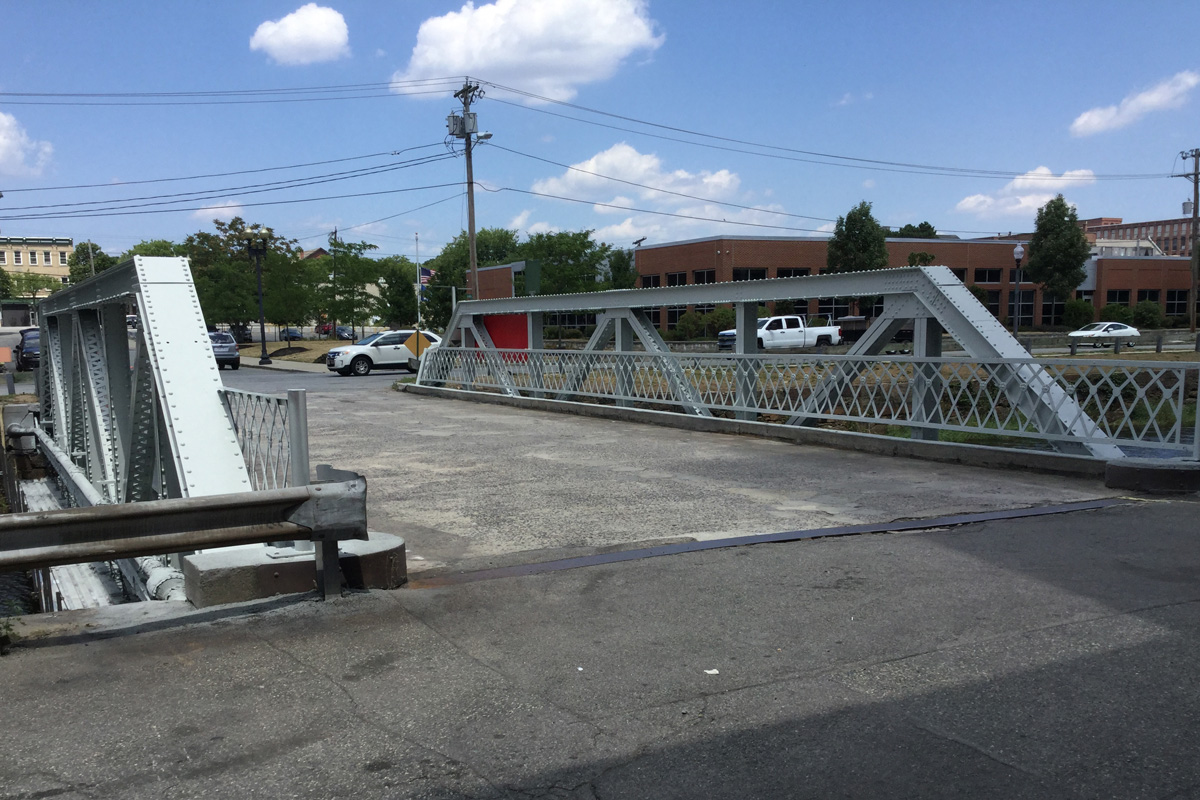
x=308, y=351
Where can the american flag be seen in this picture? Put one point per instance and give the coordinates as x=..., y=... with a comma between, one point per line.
x=425, y=276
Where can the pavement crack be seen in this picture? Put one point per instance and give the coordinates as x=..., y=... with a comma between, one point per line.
x=983, y=751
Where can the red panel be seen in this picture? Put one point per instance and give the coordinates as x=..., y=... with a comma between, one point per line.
x=508, y=331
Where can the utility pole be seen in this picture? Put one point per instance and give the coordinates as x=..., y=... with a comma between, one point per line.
x=467, y=131
x=1194, y=177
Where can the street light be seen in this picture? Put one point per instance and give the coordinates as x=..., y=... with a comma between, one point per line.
x=1018, y=254
x=257, y=246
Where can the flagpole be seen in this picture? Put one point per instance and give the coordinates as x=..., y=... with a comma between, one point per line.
x=417, y=236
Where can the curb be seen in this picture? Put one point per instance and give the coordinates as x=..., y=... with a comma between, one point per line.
x=1153, y=475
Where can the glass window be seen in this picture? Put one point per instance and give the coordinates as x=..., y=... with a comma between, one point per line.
x=704, y=276
x=62, y=258
x=987, y=276
x=1176, y=302
x=1147, y=294
x=676, y=279
x=792, y=322
x=1118, y=297
x=17, y=257
x=3, y=256
x=673, y=315
x=749, y=274
x=775, y=325
x=651, y=281
x=793, y=272
x=46, y=257
x=33, y=258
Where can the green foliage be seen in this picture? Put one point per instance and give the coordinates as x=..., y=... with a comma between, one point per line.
x=1077, y=313
x=1148, y=314
x=783, y=307
x=921, y=259
x=859, y=242
x=6, y=285
x=571, y=261
x=154, y=247
x=289, y=288
x=1058, y=250
x=922, y=231
x=1115, y=312
x=722, y=319
x=492, y=246
x=397, y=303
x=344, y=296
x=622, y=273
x=223, y=270
x=692, y=325
x=31, y=284
x=80, y=263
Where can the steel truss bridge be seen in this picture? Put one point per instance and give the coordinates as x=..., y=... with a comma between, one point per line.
x=1102, y=409
x=148, y=452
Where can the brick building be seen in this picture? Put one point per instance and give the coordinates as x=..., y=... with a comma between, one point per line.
x=986, y=263
x=1170, y=236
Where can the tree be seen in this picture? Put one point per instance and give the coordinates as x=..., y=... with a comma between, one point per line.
x=622, y=273
x=1116, y=312
x=154, y=247
x=1149, y=314
x=1077, y=313
x=1058, y=250
x=921, y=259
x=223, y=270
x=6, y=285
x=571, y=261
x=31, y=284
x=922, y=231
x=83, y=264
x=492, y=246
x=859, y=242
x=980, y=294
x=344, y=296
x=397, y=302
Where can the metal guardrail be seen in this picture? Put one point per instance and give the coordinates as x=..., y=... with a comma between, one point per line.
x=1137, y=406
x=323, y=512
x=272, y=431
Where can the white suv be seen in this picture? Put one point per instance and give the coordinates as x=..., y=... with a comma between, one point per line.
x=386, y=350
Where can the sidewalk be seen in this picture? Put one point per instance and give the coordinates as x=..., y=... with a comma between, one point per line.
x=1049, y=657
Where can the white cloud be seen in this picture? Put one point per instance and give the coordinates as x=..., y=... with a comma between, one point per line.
x=226, y=210
x=21, y=156
x=309, y=35
x=1171, y=93
x=1025, y=194
x=849, y=98
x=626, y=163
x=548, y=47
x=869, y=183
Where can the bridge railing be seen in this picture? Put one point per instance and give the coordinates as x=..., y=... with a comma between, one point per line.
x=1136, y=406
x=272, y=431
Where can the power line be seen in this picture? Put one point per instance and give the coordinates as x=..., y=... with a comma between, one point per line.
x=861, y=162
x=100, y=213
x=221, y=174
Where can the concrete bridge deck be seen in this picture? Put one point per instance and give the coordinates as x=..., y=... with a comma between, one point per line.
x=1051, y=656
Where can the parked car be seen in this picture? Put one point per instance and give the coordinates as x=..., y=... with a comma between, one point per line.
x=241, y=333
x=779, y=333
x=290, y=335
x=29, y=350
x=225, y=350
x=386, y=350
x=1097, y=332
x=324, y=329
x=345, y=332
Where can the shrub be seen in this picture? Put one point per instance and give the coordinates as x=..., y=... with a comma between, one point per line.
x=691, y=325
x=721, y=320
x=1077, y=313
x=783, y=307
x=1115, y=312
x=1148, y=314
x=817, y=322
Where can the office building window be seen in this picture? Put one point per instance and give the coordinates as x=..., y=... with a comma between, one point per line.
x=1026, y=306
x=793, y=272
x=676, y=279
x=1177, y=302
x=987, y=276
x=704, y=276
x=706, y=308
x=749, y=274
x=65, y=280
x=3, y=256
x=46, y=257
x=993, y=302
x=1086, y=295
x=1052, y=310
x=673, y=315
x=1118, y=297
x=655, y=316
x=62, y=258
x=961, y=274
x=832, y=308
x=16, y=258
x=651, y=281
x=1147, y=294
x=33, y=258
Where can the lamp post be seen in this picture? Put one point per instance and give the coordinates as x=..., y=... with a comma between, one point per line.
x=1018, y=254
x=258, y=248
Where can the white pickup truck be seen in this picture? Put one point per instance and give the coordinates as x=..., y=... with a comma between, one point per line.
x=781, y=333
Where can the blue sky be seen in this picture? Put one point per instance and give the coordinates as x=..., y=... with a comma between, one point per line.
x=715, y=118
